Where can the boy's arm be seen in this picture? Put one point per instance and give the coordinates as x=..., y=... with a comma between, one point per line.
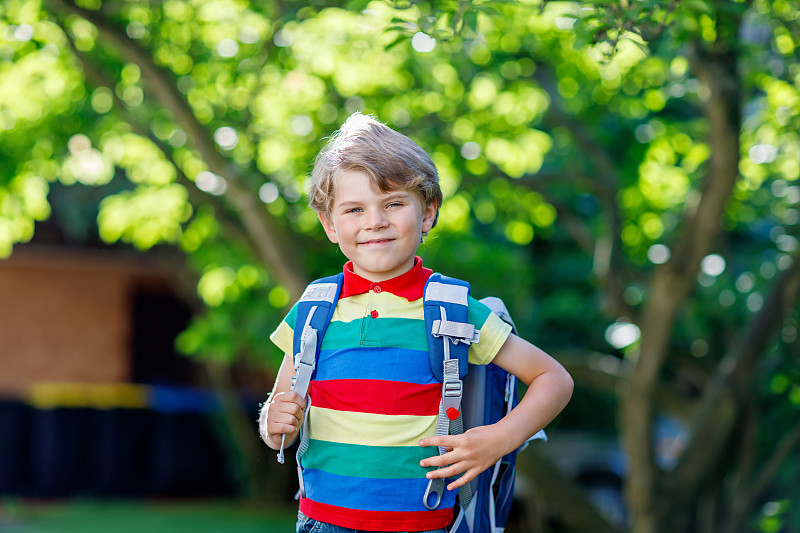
x=549, y=390
x=282, y=414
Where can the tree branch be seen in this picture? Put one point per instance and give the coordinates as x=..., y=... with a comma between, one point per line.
x=229, y=226
x=270, y=239
x=788, y=443
x=608, y=264
x=722, y=399
x=569, y=501
x=579, y=231
x=739, y=509
x=606, y=373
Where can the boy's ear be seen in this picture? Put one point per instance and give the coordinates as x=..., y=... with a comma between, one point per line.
x=429, y=216
x=330, y=229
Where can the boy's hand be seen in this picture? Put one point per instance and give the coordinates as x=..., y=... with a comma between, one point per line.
x=469, y=454
x=284, y=416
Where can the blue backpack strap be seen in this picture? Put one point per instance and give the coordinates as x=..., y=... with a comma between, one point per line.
x=446, y=309
x=452, y=296
x=320, y=297
x=315, y=309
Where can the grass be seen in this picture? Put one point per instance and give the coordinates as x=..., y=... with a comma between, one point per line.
x=93, y=516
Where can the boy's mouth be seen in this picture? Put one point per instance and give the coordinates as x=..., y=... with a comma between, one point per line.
x=376, y=242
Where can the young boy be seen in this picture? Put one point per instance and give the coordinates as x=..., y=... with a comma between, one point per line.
x=372, y=422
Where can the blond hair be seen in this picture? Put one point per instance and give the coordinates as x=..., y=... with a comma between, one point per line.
x=390, y=159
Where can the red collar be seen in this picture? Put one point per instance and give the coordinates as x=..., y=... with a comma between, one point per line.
x=410, y=285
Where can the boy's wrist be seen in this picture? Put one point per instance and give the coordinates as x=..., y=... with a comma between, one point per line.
x=509, y=437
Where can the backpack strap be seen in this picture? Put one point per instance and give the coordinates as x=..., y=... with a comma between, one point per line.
x=314, y=312
x=315, y=309
x=446, y=309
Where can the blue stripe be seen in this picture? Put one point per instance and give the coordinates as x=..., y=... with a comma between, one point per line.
x=390, y=364
x=370, y=494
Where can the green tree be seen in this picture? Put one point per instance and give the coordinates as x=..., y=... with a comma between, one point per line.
x=631, y=166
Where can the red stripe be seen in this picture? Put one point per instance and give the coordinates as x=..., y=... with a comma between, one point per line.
x=376, y=520
x=377, y=396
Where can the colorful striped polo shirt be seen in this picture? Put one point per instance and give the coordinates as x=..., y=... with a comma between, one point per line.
x=372, y=399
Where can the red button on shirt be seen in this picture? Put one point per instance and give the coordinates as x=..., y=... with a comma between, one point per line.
x=377, y=289
x=374, y=314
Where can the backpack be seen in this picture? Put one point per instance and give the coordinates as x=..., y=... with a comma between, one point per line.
x=472, y=395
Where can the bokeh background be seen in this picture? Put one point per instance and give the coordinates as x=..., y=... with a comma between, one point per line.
x=623, y=174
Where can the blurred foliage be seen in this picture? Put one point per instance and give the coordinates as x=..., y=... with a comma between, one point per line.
x=561, y=131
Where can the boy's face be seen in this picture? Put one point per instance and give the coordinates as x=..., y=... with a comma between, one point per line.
x=379, y=232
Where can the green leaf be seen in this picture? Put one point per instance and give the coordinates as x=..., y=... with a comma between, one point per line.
x=399, y=40
x=642, y=46
x=471, y=20
x=703, y=6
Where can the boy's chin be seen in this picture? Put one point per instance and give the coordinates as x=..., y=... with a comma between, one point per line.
x=378, y=272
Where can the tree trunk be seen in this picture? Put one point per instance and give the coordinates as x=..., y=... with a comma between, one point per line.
x=671, y=285
x=242, y=439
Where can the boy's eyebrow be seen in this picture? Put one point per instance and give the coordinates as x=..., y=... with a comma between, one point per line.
x=392, y=195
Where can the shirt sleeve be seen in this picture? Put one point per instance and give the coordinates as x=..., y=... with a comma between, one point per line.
x=494, y=333
x=283, y=336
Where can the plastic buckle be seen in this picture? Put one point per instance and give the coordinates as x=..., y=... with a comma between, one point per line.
x=453, y=388
x=451, y=398
x=302, y=491
x=436, y=488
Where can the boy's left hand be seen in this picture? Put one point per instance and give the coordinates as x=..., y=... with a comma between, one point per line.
x=469, y=454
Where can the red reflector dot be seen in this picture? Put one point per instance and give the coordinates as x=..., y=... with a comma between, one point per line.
x=374, y=314
x=452, y=413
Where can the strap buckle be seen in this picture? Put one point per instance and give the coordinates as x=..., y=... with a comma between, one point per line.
x=453, y=388
x=455, y=331
x=452, y=391
x=436, y=489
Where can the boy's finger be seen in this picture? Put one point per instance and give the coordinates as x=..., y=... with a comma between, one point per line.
x=436, y=460
x=282, y=429
x=290, y=397
x=276, y=431
x=460, y=482
x=291, y=408
x=439, y=440
x=447, y=471
x=285, y=419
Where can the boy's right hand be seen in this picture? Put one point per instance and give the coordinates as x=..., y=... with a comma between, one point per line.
x=284, y=416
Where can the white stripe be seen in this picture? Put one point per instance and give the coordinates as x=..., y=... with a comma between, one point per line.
x=444, y=292
x=319, y=292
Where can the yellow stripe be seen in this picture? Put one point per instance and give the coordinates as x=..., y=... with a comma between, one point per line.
x=95, y=395
x=493, y=332
x=493, y=335
x=282, y=337
x=369, y=429
x=387, y=304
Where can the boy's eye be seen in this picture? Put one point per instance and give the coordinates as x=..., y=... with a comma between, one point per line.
x=353, y=210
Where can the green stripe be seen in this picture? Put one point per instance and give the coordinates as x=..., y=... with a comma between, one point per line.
x=291, y=318
x=405, y=333
x=375, y=462
x=478, y=313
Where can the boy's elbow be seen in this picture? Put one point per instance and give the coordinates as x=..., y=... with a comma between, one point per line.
x=570, y=385
x=567, y=384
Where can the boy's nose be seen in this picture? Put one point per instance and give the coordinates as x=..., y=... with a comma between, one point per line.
x=376, y=219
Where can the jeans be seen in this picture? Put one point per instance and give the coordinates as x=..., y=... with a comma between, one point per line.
x=309, y=525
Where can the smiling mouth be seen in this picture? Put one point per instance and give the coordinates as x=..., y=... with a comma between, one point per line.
x=377, y=241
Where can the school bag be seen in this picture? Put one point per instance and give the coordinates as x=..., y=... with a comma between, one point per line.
x=472, y=395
